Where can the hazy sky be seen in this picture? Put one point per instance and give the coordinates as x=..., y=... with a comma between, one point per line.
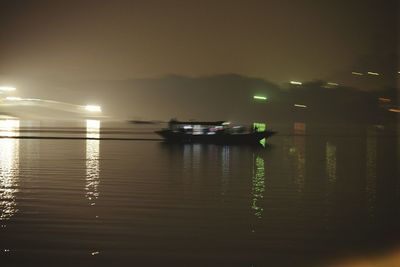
x=277, y=40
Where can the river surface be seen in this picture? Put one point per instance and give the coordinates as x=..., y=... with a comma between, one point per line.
x=313, y=194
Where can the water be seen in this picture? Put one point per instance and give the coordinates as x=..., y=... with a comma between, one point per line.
x=314, y=194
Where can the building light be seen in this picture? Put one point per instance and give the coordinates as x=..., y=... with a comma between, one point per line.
x=295, y=83
x=383, y=99
x=300, y=105
x=373, y=73
x=332, y=84
x=260, y=97
x=357, y=73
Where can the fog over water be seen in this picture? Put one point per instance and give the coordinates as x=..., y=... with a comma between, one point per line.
x=216, y=97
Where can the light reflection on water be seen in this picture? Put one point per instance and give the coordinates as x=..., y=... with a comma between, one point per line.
x=331, y=162
x=197, y=150
x=9, y=128
x=171, y=200
x=300, y=161
x=92, y=161
x=225, y=169
x=187, y=158
x=258, y=186
x=371, y=172
x=191, y=157
x=9, y=169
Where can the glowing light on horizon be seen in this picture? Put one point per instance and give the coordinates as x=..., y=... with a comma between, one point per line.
x=9, y=128
x=300, y=105
x=92, y=128
x=93, y=108
x=13, y=98
x=394, y=110
x=7, y=88
x=296, y=83
x=259, y=97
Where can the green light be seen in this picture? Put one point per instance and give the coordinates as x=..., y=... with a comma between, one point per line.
x=260, y=126
x=260, y=97
x=263, y=142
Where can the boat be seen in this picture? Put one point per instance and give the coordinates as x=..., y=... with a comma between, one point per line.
x=215, y=132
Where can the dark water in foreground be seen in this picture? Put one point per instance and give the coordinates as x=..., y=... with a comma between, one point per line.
x=301, y=201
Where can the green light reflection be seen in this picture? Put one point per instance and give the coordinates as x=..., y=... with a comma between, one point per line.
x=258, y=186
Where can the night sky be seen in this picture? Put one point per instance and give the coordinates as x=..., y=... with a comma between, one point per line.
x=273, y=40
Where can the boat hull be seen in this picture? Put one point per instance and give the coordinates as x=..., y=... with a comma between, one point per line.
x=220, y=138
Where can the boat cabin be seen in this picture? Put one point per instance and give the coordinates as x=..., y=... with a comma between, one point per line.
x=198, y=127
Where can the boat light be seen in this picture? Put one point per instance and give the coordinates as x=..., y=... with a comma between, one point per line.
x=260, y=126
